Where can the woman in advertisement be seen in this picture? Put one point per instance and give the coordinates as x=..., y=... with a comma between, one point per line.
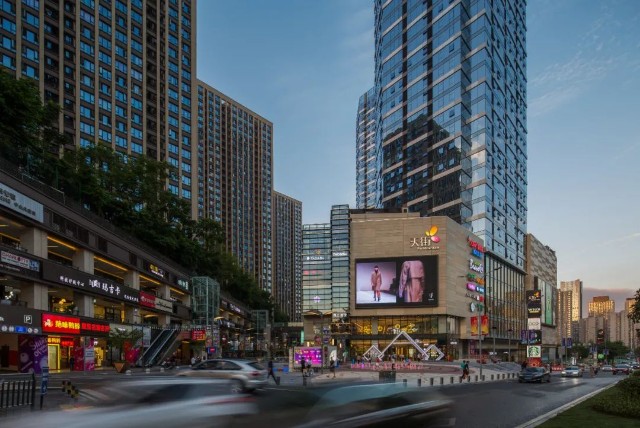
x=411, y=287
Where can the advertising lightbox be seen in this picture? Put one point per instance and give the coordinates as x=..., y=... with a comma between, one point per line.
x=399, y=281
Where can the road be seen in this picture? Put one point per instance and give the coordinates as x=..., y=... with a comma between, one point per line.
x=504, y=403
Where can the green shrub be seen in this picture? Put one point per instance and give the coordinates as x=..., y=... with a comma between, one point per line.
x=617, y=401
x=630, y=386
x=635, y=373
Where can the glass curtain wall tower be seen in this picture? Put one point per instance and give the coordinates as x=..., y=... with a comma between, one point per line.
x=367, y=154
x=122, y=71
x=450, y=83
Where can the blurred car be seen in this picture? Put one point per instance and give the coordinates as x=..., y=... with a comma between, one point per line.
x=622, y=368
x=378, y=405
x=149, y=403
x=572, y=371
x=607, y=368
x=245, y=375
x=353, y=405
x=534, y=374
x=635, y=366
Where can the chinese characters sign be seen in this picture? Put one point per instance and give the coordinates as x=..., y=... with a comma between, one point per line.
x=60, y=324
x=84, y=281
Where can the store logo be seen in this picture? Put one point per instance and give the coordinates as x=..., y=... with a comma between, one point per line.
x=425, y=241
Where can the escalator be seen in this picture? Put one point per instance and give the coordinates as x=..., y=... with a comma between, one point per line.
x=153, y=353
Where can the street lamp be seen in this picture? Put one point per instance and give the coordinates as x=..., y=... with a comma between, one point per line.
x=510, y=331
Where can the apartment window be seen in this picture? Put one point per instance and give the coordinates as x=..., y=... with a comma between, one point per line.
x=136, y=148
x=121, y=142
x=29, y=35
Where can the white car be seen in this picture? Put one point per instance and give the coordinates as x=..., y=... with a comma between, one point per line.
x=245, y=375
x=572, y=371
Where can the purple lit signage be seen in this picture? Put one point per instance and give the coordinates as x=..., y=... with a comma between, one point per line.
x=313, y=354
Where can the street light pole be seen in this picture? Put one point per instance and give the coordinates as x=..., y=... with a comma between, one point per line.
x=494, y=328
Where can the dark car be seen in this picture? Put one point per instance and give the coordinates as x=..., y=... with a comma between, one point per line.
x=534, y=374
x=622, y=368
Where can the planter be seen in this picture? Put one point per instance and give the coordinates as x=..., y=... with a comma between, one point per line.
x=121, y=366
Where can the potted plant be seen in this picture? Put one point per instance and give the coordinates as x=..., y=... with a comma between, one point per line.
x=121, y=339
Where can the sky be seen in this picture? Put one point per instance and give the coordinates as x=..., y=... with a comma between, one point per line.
x=303, y=64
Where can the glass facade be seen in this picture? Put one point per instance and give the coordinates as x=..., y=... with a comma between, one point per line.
x=340, y=260
x=367, y=153
x=90, y=58
x=450, y=83
x=235, y=178
x=316, y=268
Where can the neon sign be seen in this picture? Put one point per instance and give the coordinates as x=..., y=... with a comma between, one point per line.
x=476, y=266
x=476, y=246
x=425, y=242
x=60, y=324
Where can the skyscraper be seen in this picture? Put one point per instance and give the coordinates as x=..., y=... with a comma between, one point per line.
x=122, y=72
x=367, y=153
x=570, y=311
x=340, y=260
x=287, y=255
x=316, y=267
x=235, y=178
x=450, y=85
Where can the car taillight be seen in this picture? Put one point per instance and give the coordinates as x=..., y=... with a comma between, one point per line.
x=255, y=374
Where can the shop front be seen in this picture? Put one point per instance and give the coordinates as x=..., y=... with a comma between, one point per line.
x=21, y=340
x=75, y=343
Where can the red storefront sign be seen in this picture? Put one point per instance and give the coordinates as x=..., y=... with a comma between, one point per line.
x=148, y=300
x=94, y=327
x=198, y=334
x=60, y=324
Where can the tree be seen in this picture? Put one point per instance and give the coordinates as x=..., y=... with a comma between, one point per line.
x=29, y=137
x=579, y=350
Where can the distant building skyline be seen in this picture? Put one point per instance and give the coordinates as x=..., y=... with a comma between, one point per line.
x=601, y=306
x=570, y=297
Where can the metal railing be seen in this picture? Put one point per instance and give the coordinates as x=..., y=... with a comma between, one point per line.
x=17, y=390
x=155, y=356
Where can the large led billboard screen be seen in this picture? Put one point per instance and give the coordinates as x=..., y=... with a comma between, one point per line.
x=398, y=281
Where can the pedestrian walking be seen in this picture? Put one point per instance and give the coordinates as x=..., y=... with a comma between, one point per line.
x=524, y=364
x=465, y=370
x=332, y=367
x=302, y=365
x=270, y=365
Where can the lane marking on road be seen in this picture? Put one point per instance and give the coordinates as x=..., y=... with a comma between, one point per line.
x=541, y=419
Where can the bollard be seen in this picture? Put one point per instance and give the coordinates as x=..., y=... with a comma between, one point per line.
x=404, y=383
x=431, y=381
x=503, y=376
x=128, y=373
x=461, y=379
x=441, y=381
x=147, y=370
x=492, y=377
x=419, y=383
x=161, y=369
x=468, y=379
x=476, y=379
x=278, y=380
x=452, y=380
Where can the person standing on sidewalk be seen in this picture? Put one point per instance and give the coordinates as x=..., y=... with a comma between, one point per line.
x=302, y=365
x=332, y=367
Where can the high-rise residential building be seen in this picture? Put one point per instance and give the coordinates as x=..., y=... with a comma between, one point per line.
x=367, y=153
x=287, y=255
x=601, y=306
x=570, y=310
x=235, y=178
x=630, y=329
x=450, y=83
x=123, y=73
x=316, y=268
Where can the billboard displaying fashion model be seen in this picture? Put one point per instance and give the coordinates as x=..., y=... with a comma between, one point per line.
x=398, y=281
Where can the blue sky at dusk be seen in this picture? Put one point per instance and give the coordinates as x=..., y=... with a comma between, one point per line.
x=303, y=64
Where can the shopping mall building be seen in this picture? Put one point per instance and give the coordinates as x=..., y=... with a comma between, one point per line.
x=68, y=279
x=418, y=285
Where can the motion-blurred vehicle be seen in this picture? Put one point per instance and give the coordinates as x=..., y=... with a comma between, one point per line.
x=360, y=405
x=245, y=375
x=534, y=374
x=149, y=403
x=572, y=371
x=607, y=368
x=622, y=369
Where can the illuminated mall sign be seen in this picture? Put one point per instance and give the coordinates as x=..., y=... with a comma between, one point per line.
x=476, y=266
x=426, y=242
x=15, y=263
x=163, y=305
x=62, y=341
x=60, y=324
x=155, y=270
x=19, y=203
x=93, y=327
x=474, y=278
x=80, y=280
x=147, y=299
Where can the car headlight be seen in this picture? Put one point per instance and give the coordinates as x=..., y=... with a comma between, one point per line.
x=563, y=372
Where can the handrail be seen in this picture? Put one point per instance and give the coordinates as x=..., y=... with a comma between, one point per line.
x=142, y=359
x=151, y=361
